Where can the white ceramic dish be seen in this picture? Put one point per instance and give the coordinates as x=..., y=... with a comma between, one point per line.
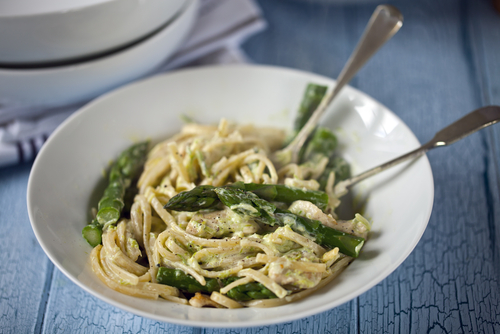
x=84, y=81
x=34, y=32
x=71, y=164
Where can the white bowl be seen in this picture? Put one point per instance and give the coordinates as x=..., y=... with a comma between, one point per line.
x=84, y=81
x=71, y=163
x=34, y=32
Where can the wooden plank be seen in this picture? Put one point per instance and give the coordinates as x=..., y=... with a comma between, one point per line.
x=321, y=45
x=72, y=310
x=24, y=268
x=339, y=320
x=485, y=44
x=448, y=283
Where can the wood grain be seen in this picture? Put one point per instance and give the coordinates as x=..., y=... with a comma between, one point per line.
x=454, y=266
x=72, y=310
x=25, y=271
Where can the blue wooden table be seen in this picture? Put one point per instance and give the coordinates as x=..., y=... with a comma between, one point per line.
x=443, y=63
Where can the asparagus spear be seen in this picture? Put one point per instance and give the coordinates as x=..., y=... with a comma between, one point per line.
x=325, y=236
x=128, y=164
x=322, y=142
x=93, y=233
x=122, y=172
x=246, y=203
x=313, y=95
x=249, y=291
x=284, y=194
x=199, y=198
x=267, y=213
x=340, y=167
x=185, y=282
x=205, y=197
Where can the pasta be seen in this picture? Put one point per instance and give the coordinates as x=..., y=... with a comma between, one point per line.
x=220, y=256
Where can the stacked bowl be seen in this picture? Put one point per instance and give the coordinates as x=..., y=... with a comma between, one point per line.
x=59, y=52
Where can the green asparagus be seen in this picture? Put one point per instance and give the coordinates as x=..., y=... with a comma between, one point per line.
x=122, y=172
x=313, y=95
x=284, y=194
x=126, y=167
x=205, y=197
x=249, y=291
x=246, y=203
x=323, y=235
x=185, y=282
x=268, y=214
x=199, y=198
x=322, y=142
x=93, y=233
x=337, y=165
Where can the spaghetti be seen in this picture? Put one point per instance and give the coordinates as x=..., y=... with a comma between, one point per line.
x=227, y=260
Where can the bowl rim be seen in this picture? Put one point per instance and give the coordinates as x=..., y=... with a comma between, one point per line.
x=57, y=11
x=247, y=324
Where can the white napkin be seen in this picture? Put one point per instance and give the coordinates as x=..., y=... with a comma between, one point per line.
x=221, y=27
